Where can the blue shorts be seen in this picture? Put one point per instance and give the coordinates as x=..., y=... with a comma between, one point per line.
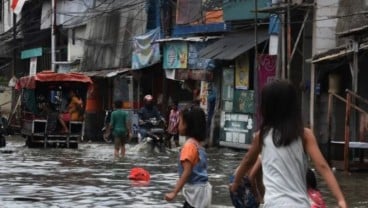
x=243, y=196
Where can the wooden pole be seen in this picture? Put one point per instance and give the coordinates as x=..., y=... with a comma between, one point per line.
x=347, y=133
x=329, y=123
x=53, y=38
x=312, y=94
x=298, y=38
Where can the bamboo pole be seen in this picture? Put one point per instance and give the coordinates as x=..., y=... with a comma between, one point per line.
x=357, y=96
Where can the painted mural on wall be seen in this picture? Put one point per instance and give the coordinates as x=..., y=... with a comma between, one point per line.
x=175, y=55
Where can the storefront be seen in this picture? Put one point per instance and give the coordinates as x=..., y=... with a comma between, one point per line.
x=239, y=84
x=108, y=86
x=183, y=65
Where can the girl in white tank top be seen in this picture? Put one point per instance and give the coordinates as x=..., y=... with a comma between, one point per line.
x=284, y=144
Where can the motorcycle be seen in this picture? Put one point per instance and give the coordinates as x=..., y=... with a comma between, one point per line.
x=154, y=134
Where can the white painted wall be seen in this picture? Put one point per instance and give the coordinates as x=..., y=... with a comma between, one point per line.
x=69, y=13
x=7, y=18
x=76, y=49
x=325, y=21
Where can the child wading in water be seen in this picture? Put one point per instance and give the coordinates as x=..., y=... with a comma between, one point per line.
x=192, y=166
x=284, y=145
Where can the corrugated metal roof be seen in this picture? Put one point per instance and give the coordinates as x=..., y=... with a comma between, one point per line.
x=232, y=45
x=105, y=73
x=188, y=39
x=336, y=53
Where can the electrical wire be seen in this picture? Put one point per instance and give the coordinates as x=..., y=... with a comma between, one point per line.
x=120, y=6
x=123, y=6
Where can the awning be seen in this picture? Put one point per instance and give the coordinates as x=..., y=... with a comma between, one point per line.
x=335, y=53
x=105, y=73
x=232, y=45
x=188, y=39
x=29, y=82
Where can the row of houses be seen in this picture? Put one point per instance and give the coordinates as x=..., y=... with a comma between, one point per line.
x=220, y=52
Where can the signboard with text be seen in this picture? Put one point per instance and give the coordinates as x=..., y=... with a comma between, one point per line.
x=236, y=130
x=175, y=55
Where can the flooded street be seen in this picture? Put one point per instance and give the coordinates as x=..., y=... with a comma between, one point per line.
x=90, y=177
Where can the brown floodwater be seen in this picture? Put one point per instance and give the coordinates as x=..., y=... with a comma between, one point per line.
x=90, y=177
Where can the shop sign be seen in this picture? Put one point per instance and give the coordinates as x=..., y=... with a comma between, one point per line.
x=236, y=129
x=32, y=66
x=200, y=75
x=34, y=52
x=227, y=84
x=267, y=69
x=175, y=55
x=242, y=72
x=194, y=61
x=243, y=101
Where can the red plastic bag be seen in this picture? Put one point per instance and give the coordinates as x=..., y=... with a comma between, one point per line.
x=139, y=174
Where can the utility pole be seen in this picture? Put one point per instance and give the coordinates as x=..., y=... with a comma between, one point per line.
x=14, y=60
x=255, y=33
x=288, y=40
x=256, y=74
x=282, y=40
x=53, y=41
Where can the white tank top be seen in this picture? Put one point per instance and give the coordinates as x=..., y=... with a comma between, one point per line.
x=284, y=174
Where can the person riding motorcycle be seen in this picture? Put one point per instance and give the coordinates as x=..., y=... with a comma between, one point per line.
x=146, y=114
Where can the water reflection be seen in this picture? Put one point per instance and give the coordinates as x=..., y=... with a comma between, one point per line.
x=91, y=177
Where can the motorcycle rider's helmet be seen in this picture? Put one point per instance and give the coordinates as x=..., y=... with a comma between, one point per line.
x=148, y=100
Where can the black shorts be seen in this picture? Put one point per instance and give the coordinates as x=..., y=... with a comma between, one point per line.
x=119, y=141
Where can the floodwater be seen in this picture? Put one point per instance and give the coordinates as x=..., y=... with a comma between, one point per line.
x=91, y=177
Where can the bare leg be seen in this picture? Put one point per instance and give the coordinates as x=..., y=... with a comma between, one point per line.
x=63, y=124
x=116, y=152
x=122, y=150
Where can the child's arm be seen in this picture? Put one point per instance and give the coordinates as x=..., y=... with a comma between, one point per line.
x=321, y=165
x=256, y=167
x=255, y=177
x=248, y=160
x=187, y=166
